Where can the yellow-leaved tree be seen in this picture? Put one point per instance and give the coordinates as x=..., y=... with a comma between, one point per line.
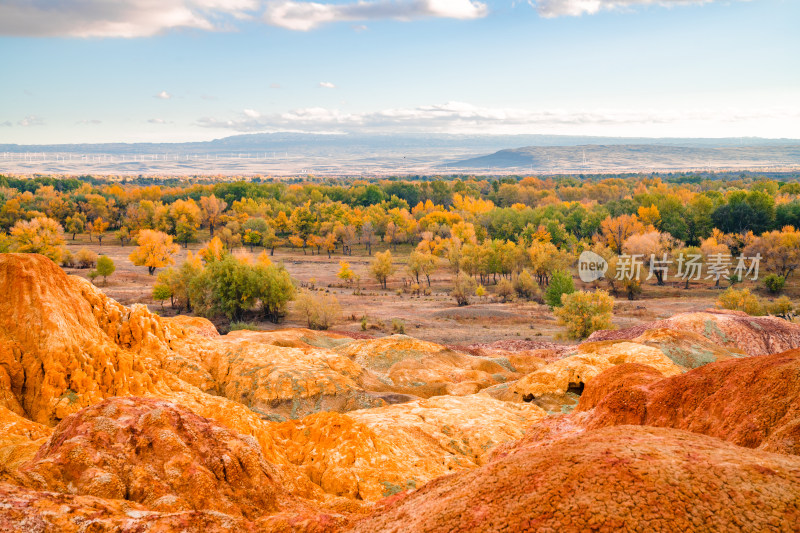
x=382, y=267
x=155, y=250
x=40, y=235
x=583, y=313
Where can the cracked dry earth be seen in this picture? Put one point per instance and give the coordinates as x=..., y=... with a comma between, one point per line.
x=113, y=419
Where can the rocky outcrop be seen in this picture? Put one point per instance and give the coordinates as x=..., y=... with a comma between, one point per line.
x=373, y=453
x=752, y=402
x=19, y=439
x=425, y=369
x=615, y=378
x=730, y=329
x=157, y=454
x=625, y=478
x=557, y=386
x=164, y=459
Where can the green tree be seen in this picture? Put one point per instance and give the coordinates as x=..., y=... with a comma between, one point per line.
x=234, y=286
x=76, y=224
x=161, y=292
x=105, y=267
x=561, y=283
x=274, y=289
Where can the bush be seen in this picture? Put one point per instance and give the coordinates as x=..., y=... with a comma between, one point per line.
x=740, y=300
x=774, y=283
x=86, y=258
x=238, y=326
x=319, y=310
x=398, y=326
x=561, y=283
x=463, y=288
x=584, y=312
x=782, y=307
x=67, y=259
x=505, y=290
x=526, y=287
x=633, y=288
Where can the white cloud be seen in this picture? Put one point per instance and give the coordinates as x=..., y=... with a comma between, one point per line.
x=157, y=121
x=304, y=16
x=163, y=95
x=251, y=113
x=458, y=117
x=557, y=8
x=31, y=120
x=327, y=85
x=131, y=18
x=142, y=18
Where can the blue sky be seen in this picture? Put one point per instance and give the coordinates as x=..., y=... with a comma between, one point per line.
x=176, y=70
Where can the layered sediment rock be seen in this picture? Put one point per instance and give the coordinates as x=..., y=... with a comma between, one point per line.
x=372, y=453
x=730, y=329
x=626, y=478
x=751, y=402
x=426, y=369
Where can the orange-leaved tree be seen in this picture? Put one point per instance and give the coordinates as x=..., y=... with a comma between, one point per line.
x=155, y=250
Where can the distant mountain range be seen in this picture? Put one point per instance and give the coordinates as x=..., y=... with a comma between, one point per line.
x=300, y=153
x=353, y=142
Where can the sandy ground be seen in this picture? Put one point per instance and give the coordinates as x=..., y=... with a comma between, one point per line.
x=435, y=317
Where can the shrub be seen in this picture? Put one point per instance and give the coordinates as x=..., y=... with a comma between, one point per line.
x=398, y=326
x=561, y=283
x=85, y=258
x=238, y=326
x=67, y=259
x=463, y=288
x=505, y=290
x=364, y=323
x=319, y=310
x=584, y=312
x=633, y=288
x=782, y=307
x=740, y=300
x=525, y=286
x=774, y=283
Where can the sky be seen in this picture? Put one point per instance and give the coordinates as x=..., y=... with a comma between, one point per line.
x=187, y=70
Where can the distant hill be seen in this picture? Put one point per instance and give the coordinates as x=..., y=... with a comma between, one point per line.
x=384, y=142
x=620, y=157
x=291, y=154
